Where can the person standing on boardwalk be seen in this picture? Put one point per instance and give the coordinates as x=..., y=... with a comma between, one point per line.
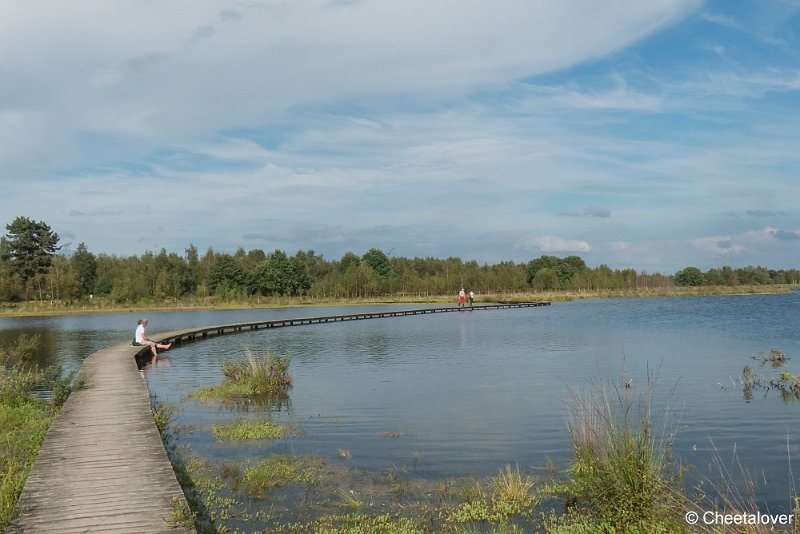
x=462, y=298
x=141, y=339
x=471, y=297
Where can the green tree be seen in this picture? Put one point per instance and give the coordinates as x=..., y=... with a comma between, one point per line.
x=273, y=276
x=29, y=247
x=379, y=262
x=84, y=266
x=226, y=276
x=545, y=279
x=690, y=276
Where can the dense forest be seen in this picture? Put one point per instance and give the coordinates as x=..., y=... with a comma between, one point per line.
x=34, y=267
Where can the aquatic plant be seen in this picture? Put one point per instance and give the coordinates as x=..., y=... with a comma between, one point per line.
x=352, y=500
x=512, y=486
x=24, y=346
x=181, y=515
x=358, y=523
x=162, y=414
x=775, y=357
x=621, y=473
x=266, y=380
x=247, y=430
x=267, y=375
x=281, y=470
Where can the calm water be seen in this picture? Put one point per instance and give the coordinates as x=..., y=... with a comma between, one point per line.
x=466, y=393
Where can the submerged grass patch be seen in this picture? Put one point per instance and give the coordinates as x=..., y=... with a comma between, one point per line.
x=281, y=470
x=221, y=391
x=357, y=523
x=247, y=430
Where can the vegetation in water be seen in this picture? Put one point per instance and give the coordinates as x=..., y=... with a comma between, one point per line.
x=281, y=470
x=622, y=474
x=30, y=398
x=248, y=430
x=775, y=357
x=268, y=378
x=787, y=383
x=622, y=478
x=22, y=349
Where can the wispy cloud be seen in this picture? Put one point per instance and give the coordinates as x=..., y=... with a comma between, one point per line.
x=718, y=245
x=552, y=243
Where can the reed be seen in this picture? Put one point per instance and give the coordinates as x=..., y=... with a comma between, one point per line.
x=267, y=375
x=622, y=474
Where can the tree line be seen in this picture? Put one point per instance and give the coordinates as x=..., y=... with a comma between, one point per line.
x=33, y=266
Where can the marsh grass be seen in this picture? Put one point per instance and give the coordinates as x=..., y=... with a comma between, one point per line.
x=281, y=470
x=180, y=515
x=352, y=500
x=24, y=425
x=163, y=415
x=734, y=489
x=24, y=347
x=622, y=474
x=512, y=486
x=269, y=375
x=266, y=380
x=249, y=430
x=499, y=501
x=357, y=523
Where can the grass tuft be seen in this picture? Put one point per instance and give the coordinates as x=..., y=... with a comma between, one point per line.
x=621, y=472
x=247, y=430
x=266, y=379
x=281, y=470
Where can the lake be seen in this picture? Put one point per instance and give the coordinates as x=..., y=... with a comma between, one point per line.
x=443, y=396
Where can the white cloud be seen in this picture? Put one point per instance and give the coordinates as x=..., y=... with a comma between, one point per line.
x=753, y=240
x=160, y=69
x=719, y=245
x=551, y=243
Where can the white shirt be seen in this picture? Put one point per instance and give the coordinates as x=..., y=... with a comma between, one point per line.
x=139, y=333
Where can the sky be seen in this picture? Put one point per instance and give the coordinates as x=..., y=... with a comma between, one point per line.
x=652, y=135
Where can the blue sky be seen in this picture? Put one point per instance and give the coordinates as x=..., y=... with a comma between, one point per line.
x=652, y=135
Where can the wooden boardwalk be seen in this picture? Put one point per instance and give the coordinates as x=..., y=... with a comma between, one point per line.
x=102, y=466
x=201, y=333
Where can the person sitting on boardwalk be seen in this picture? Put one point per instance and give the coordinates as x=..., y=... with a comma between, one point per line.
x=141, y=339
x=462, y=298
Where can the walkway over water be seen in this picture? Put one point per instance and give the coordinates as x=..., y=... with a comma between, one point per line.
x=192, y=334
x=102, y=466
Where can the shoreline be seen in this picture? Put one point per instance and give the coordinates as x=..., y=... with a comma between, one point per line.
x=47, y=309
